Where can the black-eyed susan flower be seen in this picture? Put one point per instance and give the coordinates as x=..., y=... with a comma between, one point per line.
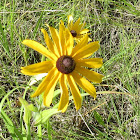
x=66, y=65
x=77, y=30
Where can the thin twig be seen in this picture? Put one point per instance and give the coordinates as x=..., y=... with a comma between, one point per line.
x=87, y=125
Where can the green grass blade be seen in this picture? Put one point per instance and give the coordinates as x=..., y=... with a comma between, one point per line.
x=4, y=41
x=99, y=118
x=10, y=126
x=37, y=25
x=4, y=98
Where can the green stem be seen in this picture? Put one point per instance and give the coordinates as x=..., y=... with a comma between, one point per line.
x=28, y=132
x=49, y=130
x=39, y=132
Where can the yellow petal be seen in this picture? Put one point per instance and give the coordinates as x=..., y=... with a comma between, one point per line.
x=49, y=43
x=70, y=22
x=80, y=28
x=62, y=37
x=70, y=18
x=84, y=84
x=43, y=85
x=35, y=69
x=48, y=95
x=91, y=63
x=90, y=75
x=83, y=42
x=82, y=25
x=76, y=25
x=40, y=48
x=89, y=39
x=64, y=99
x=55, y=37
x=87, y=50
x=69, y=42
x=84, y=31
x=75, y=91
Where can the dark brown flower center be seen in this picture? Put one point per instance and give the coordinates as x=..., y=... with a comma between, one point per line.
x=65, y=64
x=73, y=32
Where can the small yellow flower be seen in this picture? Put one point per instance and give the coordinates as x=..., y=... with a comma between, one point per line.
x=77, y=30
x=66, y=66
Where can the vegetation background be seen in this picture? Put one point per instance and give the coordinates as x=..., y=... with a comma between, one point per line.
x=115, y=114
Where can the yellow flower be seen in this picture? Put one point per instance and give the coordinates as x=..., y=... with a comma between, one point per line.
x=77, y=30
x=66, y=66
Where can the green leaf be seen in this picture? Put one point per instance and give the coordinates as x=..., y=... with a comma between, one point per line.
x=31, y=107
x=27, y=112
x=34, y=88
x=99, y=118
x=56, y=93
x=45, y=115
x=27, y=116
x=23, y=102
x=28, y=108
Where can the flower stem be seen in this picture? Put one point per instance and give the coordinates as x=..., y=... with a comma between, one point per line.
x=39, y=132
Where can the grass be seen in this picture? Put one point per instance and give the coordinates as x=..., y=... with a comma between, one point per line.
x=111, y=116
